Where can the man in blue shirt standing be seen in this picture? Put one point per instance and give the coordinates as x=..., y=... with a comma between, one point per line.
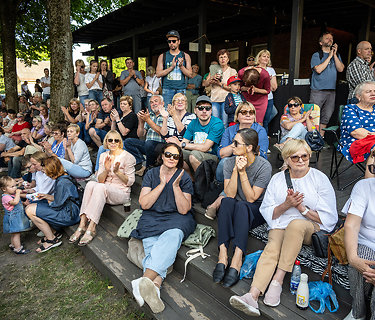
x=173, y=67
x=202, y=136
x=325, y=64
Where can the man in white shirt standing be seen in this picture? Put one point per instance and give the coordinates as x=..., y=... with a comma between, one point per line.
x=46, y=83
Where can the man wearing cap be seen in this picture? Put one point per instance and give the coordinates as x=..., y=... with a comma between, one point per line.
x=202, y=136
x=173, y=67
x=233, y=98
x=325, y=64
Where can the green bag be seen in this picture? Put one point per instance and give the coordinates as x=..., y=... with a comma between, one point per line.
x=129, y=224
x=197, y=241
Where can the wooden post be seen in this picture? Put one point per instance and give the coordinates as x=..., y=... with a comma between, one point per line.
x=202, y=29
x=295, y=41
x=135, y=51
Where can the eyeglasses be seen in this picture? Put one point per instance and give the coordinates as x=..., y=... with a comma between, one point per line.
x=113, y=140
x=171, y=41
x=201, y=108
x=171, y=155
x=304, y=157
x=54, y=133
x=250, y=59
x=236, y=143
x=371, y=168
x=293, y=105
x=247, y=112
x=179, y=100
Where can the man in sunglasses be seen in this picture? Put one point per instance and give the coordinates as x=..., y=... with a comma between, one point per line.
x=174, y=66
x=202, y=136
x=325, y=64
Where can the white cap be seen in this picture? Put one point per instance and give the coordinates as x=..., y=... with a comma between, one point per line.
x=304, y=277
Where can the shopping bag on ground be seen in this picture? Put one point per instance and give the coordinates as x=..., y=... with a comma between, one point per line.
x=250, y=264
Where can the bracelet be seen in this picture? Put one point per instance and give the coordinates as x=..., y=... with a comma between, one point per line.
x=118, y=121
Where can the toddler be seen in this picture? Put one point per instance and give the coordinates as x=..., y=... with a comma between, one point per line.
x=15, y=220
x=233, y=99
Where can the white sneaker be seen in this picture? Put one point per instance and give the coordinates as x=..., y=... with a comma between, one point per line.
x=350, y=316
x=151, y=294
x=136, y=293
x=268, y=151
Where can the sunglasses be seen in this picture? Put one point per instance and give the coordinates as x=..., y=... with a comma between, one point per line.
x=236, y=143
x=304, y=157
x=171, y=41
x=247, y=112
x=171, y=155
x=250, y=59
x=293, y=105
x=371, y=168
x=113, y=140
x=201, y=108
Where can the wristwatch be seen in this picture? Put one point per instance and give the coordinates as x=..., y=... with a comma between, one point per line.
x=304, y=212
x=183, y=145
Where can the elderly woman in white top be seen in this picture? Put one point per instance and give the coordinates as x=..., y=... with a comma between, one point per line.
x=360, y=243
x=292, y=215
x=77, y=160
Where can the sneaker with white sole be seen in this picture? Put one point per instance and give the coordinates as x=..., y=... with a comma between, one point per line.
x=151, y=295
x=246, y=304
x=136, y=293
x=272, y=296
x=350, y=316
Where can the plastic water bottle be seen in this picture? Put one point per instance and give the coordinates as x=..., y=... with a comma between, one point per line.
x=295, y=278
x=302, y=297
x=314, y=132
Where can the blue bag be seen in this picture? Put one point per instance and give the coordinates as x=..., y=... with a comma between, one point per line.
x=250, y=264
x=322, y=292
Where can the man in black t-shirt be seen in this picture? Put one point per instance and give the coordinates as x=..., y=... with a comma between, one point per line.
x=103, y=122
x=16, y=154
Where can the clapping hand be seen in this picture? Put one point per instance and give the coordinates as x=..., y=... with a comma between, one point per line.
x=108, y=163
x=176, y=183
x=116, y=167
x=63, y=109
x=180, y=61
x=174, y=62
x=163, y=179
x=114, y=115
x=294, y=199
x=163, y=112
x=171, y=110
x=251, y=90
x=143, y=115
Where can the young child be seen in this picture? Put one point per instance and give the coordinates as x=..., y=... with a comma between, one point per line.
x=15, y=220
x=233, y=99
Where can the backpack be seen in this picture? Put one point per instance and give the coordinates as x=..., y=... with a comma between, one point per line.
x=206, y=187
x=79, y=188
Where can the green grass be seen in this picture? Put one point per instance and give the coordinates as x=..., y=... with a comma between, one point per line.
x=60, y=285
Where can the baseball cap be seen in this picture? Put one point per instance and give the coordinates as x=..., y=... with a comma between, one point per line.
x=173, y=33
x=233, y=79
x=203, y=99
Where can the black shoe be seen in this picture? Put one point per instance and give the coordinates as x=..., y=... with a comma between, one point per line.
x=231, y=277
x=219, y=272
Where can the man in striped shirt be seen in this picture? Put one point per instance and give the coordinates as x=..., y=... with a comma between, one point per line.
x=359, y=69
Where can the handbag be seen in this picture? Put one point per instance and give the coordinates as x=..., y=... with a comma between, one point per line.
x=314, y=140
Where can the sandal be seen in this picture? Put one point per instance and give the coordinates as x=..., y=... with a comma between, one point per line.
x=74, y=238
x=57, y=235
x=22, y=250
x=54, y=243
x=87, y=238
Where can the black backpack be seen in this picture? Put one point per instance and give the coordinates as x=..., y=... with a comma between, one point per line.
x=80, y=191
x=206, y=187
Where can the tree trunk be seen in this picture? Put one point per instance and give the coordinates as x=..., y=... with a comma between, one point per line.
x=61, y=42
x=8, y=16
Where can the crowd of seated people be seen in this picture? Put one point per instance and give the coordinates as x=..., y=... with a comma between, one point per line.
x=166, y=144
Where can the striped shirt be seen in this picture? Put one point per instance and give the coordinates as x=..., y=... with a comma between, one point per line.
x=172, y=130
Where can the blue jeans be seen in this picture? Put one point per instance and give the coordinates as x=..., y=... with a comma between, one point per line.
x=83, y=133
x=297, y=132
x=161, y=251
x=46, y=96
x=168, y=95
x=83, y=98
x=271, y=113
x=139, y=148
x=101, y=133
x=14, y=167
x=74, y=169
x=96, y=95
x=220, y=169
x=218, y=112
